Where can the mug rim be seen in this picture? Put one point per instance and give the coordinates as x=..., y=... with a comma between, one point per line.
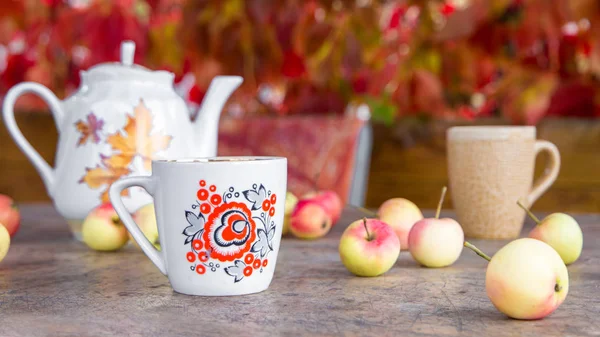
x=491, y=132
x=218, y=160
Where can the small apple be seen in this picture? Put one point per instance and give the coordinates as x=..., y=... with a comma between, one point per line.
x=290, y=203
x=526, y=279
x=436, y=242
x=310, y=220
x=331, y=202
x=560, y=231
x=103, y=230
x=401, y=214
x=369, y=247
x=145, y=218
x=9, y=214
x=4, y=241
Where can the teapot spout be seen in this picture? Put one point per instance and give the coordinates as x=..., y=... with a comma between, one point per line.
x=207, y=121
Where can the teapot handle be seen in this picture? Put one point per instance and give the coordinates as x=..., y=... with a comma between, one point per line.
x=45, y=171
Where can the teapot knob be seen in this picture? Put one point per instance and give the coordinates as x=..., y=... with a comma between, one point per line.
x=127, y=52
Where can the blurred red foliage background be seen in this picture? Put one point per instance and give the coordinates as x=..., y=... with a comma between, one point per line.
x=452, y=59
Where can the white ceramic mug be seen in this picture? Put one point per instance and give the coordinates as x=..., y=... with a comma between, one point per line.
x=219, y=221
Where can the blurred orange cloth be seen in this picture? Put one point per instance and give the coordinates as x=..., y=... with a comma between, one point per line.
x=321, y=150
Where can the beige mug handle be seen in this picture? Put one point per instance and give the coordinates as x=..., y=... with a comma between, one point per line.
x=549, y=175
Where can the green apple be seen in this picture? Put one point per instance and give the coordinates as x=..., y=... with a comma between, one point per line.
x=561, y=232
x=290, y=203
x=145, y=218
x=103, y=230
x=4, y=241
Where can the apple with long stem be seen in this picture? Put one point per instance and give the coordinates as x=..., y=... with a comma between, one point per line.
x=435, y=242
x=560, y=231
x=369, y=247
x=526, y=279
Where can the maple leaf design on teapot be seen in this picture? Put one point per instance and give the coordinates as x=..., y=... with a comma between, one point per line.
x=136, y=139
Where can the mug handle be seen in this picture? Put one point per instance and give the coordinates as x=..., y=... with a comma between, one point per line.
x=550, y=173
x=45, y=171
x=149, y=184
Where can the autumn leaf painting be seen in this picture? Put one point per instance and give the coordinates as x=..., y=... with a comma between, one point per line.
x=89, y=129
x=135, y=140
x=104, y=175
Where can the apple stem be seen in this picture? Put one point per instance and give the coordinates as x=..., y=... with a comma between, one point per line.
x=115, y=220
x=531, y=215
x=476, y=250
x=363, y=210
x=369, y=237
x=439, y=208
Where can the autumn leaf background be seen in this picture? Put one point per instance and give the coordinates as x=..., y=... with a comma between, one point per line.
x=135, y=140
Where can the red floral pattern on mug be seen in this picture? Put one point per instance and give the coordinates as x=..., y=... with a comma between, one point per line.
x=229, y=231
x=232, y=227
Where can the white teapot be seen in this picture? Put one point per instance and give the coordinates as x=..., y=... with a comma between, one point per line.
x=121, y=117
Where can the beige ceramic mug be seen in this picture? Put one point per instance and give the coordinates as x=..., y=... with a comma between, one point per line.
x=490, y=168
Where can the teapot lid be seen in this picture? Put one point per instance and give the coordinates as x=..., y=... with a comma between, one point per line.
x=126, y=70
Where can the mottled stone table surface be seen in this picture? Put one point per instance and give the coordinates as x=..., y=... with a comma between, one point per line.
x=52, y=285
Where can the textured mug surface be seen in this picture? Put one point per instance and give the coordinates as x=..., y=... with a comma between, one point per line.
x=219, y=221
x=490, y=168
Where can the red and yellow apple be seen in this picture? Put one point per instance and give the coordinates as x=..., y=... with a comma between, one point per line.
x=103, y=230
x=401, y=214
x=435, y=242
x=310, y=220
x=369, y=247
x=9, y=214
x=4, y=242
x=145, y=218
x=526, y=279
x=330, y=200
